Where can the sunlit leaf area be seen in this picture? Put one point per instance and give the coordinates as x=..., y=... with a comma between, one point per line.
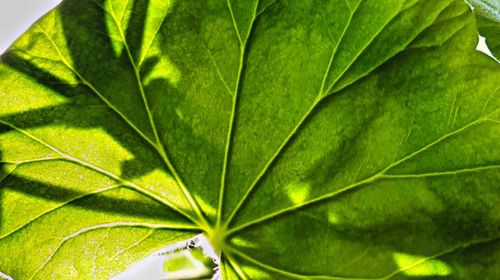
x=252, y=139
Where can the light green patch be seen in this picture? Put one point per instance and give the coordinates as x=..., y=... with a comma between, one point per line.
x=178, y=264
x=117, y=19
x=333, y=218
x=36, y=95
x=301, y=139
x=164, y=69
x=420, y=266
x=298, y=192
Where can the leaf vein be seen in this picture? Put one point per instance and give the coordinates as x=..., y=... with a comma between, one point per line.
x=89, y=85
x=158, y=145
x=234, y=21
x=102, y=171
x=371, y=179
x=442, y=173
x=404, y=46
x=56, y=208
x=229, y=136
x=97, y=227
x=288, y=273
x=285, y=142
x=440, y=254
x=216, y=66
x=363, y=48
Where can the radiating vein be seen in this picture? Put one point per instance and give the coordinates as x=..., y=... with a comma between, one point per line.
x=455, y=97
x=89, y=85
x=335, y=48
x=32, y=160
x=159, y=144
x=136, y=74
x=58, y=207
x=398, y=271
x=404, y=46
x=292, y=133
x=440, y=254
x=288, y=273
x=329, y=31
x=377, y=176
x=442, y=173
x=266, y=7
x=8, y=173
x=363, y=49
x=243, y=52
x=235, y=265
x=488, y=100
x=219, y=73
x=146, y=50
x=270, y=162
x=103, y=172
x=234, y=22
x=97, y=227
x=493, y=120
x=439, y=140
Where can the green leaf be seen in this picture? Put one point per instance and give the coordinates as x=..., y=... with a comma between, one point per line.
x=487, y=14
x=339, y=139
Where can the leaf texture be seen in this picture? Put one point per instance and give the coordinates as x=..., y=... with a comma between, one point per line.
x=488, y=23
x=332, y=139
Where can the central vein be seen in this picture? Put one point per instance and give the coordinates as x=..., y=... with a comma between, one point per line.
x=237, y=89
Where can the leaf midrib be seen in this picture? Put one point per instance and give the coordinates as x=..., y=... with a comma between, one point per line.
x=237, y=89
x=292, y=133
x=319, y=98
x=324, y=94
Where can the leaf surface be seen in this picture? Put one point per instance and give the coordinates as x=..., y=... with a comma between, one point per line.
x=488, y=23
x=340, y=139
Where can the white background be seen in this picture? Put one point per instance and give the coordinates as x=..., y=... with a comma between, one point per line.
x=17, y=15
